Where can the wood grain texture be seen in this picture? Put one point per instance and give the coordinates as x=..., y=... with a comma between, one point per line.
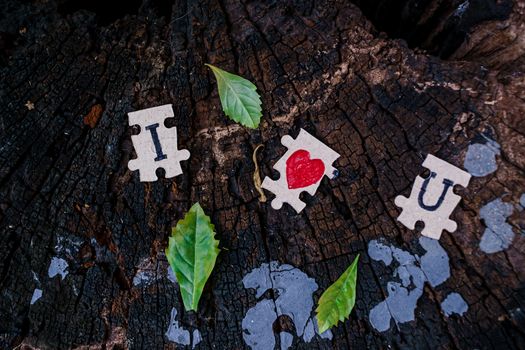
x=66, y=191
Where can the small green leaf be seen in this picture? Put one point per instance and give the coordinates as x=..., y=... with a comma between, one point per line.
x=239, y=98
x=191, y=252
x=338, y=300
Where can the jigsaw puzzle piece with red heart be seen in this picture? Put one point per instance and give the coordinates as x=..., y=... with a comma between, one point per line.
x=302, y=168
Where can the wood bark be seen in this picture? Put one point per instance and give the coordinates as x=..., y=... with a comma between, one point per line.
x=70, y=71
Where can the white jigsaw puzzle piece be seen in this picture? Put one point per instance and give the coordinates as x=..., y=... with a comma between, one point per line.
x=432, y=200
x=155, y=145
x=317, y=150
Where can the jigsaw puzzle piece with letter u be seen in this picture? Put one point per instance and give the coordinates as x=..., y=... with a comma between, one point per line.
x=432, y=200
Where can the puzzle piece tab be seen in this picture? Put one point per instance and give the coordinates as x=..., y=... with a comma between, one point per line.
x=432, y=200
x=156, y=145
x=302, y=168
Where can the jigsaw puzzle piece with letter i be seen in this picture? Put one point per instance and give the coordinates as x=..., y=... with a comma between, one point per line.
x=155, y=145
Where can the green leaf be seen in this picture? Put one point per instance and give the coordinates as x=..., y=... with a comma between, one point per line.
x=239, y=98
x=338, y=300
x=191, y=252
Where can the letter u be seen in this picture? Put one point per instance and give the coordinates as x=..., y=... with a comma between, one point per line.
x=420, y=199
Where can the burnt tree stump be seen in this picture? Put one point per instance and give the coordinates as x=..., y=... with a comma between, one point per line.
x=82, y=241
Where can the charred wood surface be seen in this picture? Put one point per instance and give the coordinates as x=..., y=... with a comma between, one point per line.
x=69, y=73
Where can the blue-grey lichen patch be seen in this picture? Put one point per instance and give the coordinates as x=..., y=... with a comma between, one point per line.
x=480, y=159
x=58, y=266
x=37, y=294
x=454, y=304
x=412, y=272
x=498, y=234
x=179, y=335
x=294, y=291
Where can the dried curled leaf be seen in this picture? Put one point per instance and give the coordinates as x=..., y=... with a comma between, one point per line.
x=257, y=176
x=338, y=300
x=239, y=98
x=191, y=253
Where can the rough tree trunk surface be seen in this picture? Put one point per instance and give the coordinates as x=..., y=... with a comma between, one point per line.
x=71, y=71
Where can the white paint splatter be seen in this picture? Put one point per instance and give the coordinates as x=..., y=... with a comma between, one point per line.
x=294, y=291
x=498, y=234
x=176, y=333
x=257, y=325
x=413, y=271
x=480, y=159
x=286, y=340
x=454, y=304
x=143, y=278
x=148, y=271
x=35, y=277
x=37, y=294
x=462, y=8
x=197, y=338
x=67, y=244
x=434, y=262
x=179, y=335
x=58, y=266
x=171, y=275
x=380, y=252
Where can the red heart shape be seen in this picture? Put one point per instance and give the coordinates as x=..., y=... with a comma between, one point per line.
x=301, y=171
